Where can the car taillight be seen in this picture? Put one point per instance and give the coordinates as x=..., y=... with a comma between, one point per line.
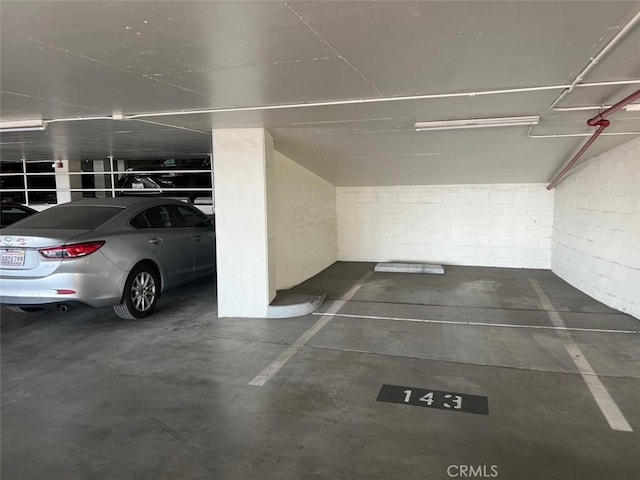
x=74, y=250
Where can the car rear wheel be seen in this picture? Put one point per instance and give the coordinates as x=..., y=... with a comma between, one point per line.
x=141, y=292
x=24, y=309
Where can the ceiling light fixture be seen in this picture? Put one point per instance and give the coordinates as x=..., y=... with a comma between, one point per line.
x=476, y=123
x=22, y=125
x=633, y=107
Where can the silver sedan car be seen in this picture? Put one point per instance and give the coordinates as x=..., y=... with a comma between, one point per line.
x=121, y=252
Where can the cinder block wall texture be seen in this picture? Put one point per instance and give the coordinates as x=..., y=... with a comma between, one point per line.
x=304, y=210
x=503, y=225
x=596, y=234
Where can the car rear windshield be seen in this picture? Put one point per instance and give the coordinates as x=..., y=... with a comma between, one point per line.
x=81, y=217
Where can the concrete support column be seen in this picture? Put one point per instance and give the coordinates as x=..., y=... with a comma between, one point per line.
x=242, y=162
x=115, y=166
x=100, y=177
x=64, y=181
x=121, y=166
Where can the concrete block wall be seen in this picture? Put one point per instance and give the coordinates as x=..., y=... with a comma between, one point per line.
x=305, y=231
x=596, y=235
x=502, y=225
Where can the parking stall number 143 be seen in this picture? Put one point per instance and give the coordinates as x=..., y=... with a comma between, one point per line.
x=456, y=400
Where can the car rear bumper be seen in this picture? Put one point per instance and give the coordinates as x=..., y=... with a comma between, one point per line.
x=93, y=289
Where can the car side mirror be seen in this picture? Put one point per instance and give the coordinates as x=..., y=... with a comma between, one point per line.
x=206, y=223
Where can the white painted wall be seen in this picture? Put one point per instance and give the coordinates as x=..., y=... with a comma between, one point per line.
x=243, y=190
x=305, y=222
x=504, y=225
x=596, y=235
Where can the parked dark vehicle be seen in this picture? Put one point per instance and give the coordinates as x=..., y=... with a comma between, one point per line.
x=169, y=178
x=12, y=212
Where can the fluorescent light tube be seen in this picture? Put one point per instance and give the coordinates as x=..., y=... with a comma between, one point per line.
x=22, y=125
x=476, y=123
x=22, y=129
x=633, y=107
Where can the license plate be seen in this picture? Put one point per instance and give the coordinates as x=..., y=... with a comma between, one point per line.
x=137, y=185
x=12, y=258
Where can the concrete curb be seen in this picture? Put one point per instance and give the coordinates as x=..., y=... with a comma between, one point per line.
x=289, y=304
x=409, y=268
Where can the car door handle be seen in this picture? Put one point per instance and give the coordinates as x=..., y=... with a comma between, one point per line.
x=196, y=238
x=155, y=240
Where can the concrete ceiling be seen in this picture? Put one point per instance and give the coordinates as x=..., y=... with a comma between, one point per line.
x=66, y=59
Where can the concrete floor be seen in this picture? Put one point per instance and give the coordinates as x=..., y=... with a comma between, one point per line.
x=86, y=395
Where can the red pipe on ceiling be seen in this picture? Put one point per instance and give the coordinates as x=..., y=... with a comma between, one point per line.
x=613, y=108
x=601, y=127
x=602, y=123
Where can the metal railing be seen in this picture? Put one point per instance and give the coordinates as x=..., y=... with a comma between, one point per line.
x=23, y=185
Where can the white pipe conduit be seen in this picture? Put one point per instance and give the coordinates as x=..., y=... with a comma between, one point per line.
x=347, y=102
x=341, y=102
x=594, y=61
x=567, y=135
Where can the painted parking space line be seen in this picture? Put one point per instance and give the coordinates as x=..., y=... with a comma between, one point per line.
x=608, y=407
x=478, y=324
x=275, y=366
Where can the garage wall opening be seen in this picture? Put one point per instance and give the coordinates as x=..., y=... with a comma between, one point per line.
x=43, y=183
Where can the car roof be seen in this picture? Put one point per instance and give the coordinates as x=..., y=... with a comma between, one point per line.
x=17, y=205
